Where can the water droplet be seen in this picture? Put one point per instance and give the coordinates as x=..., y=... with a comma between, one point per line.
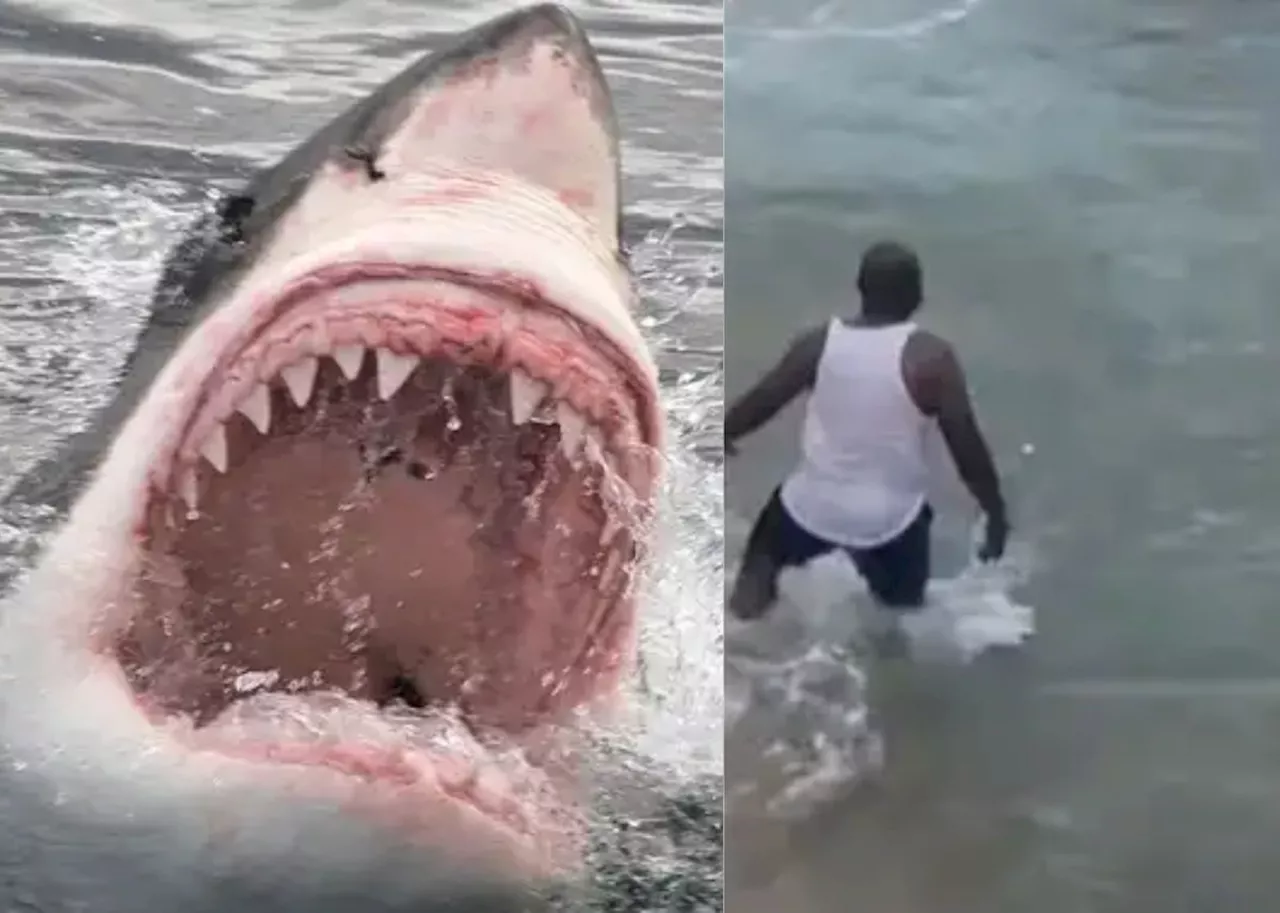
x=252, y=681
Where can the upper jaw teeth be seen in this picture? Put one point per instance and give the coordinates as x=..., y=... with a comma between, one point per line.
x=393, y=371
x=300, y=378
x=214, y=448
x=256, y=407
x=571, y=425
x=350, y=359
x=526, y=394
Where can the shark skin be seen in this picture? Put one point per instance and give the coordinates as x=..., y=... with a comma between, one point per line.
x=356, y=541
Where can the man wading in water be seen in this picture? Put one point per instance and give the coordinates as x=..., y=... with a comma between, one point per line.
x=876, y=382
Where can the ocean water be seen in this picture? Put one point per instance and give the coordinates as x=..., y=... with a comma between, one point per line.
x=118, y=117
x=1091, y=186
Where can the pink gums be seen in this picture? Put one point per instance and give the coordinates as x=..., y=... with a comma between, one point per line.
x=409, y=790
x=496, y=319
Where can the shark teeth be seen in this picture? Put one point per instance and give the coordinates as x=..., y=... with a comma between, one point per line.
x=215, y=448
x=579, y=438
x=571, y=427
x=300, y=378
x=256, y=407
x=189, y=490
x=350, y=359
x=526, y=395
x=393, y=371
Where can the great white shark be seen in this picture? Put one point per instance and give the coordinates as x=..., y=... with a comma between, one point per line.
x=359, y=531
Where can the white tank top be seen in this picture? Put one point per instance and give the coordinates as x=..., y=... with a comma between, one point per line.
x=863, y=476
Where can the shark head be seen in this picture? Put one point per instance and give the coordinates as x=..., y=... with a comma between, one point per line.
x=368, y=507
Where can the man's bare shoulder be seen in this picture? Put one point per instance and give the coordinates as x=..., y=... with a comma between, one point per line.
x=927, y=348
x=805, y=351
x=932, y=371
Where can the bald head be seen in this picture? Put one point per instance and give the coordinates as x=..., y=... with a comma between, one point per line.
x=890, y=281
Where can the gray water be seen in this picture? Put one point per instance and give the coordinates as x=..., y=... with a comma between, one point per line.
x=115, y=120
x=1093, y=188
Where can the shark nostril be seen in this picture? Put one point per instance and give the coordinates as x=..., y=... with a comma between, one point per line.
x=366, y=158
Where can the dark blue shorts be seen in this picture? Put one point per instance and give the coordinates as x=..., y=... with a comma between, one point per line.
x=896, y=572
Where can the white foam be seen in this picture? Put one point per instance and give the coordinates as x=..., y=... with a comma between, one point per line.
x=804, y=663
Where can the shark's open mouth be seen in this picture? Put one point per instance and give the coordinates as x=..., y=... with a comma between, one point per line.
x=360, y=521
x=398, y=491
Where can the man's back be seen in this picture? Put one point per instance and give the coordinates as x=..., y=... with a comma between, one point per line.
x=876, y=385
x=863, y=474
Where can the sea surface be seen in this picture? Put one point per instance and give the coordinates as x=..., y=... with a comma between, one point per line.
x=118, y=117
x=1093, y=187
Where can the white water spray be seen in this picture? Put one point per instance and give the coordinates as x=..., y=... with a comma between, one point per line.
x=804, y=668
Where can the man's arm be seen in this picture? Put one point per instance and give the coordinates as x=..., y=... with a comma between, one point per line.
x=943, y=392
x=791, y=376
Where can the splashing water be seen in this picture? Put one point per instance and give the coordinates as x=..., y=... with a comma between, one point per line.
x=76, y=335
x=801, y=673
x=669, y=857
